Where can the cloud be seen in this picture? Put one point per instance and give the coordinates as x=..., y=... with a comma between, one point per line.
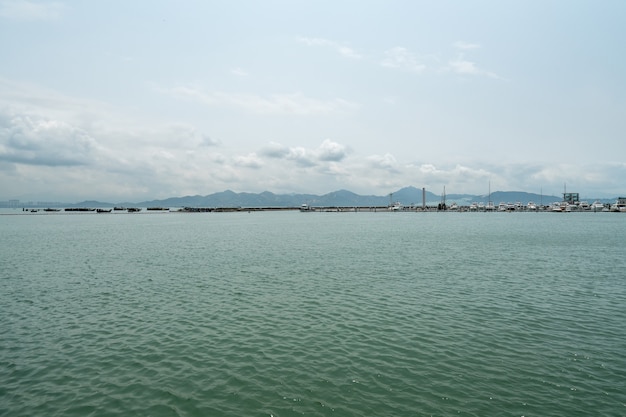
x=327, y=152
x=464, y=67
x=30, y=10
x=331, y=151
x=39, y=141
x=249, y=161
x=181, y=136
x=275, y=150
x=239, y=72
x=466, y=45
x=338, y=47
x=401, y=58
x=279, y=104
x=301, y=156
x=385, y=162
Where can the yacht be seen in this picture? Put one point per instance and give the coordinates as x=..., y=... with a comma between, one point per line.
x=597, y=206
x=620, y=205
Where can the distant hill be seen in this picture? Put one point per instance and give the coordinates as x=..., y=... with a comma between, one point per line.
x=341, y=198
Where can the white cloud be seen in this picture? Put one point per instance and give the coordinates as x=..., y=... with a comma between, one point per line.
x=338, y=47
x=39, y=141
x=466, y=45
x=386, y=162
x=331, y=151
x=239, y=72
x=280, y=104
x=30, y=10
x=401, y=58
x=463, y=66
x=249, y=161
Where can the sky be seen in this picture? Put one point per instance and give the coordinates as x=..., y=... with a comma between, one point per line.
x=135, y=100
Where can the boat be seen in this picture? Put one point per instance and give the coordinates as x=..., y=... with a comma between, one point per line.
x=597, y=206
x=619, y=206
x=556, y=208
x=305, y=208
x=133, y=209
x=103, y=210
x=531, y=206
x=51, y=209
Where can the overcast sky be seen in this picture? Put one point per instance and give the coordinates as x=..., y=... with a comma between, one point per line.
x=134, y=100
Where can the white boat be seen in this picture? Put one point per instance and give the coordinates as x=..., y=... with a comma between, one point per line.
x=305, y=207
x=531, y=206
x=597, y=206
x=396, y=207
x=556, y=208
x=619, y=206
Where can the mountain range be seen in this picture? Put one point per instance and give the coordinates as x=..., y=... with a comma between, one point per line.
x=342, y=198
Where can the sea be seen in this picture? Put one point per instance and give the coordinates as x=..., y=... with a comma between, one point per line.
x=312, y=314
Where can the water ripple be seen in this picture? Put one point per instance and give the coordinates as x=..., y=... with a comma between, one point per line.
x=281, y=314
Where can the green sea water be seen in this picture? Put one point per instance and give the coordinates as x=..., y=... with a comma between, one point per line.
x=315, y=314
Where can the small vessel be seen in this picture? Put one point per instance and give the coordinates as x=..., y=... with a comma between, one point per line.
x=556, y=208
x=305, y=207
x=103, y=210
x=597, y=206
x=133, y=209
x=619, y=206
x=531, y=206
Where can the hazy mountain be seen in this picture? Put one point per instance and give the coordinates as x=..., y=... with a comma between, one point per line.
x=341, y=198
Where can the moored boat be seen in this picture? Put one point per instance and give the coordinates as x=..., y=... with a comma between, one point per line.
x=597, y=206
x=619, y=206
